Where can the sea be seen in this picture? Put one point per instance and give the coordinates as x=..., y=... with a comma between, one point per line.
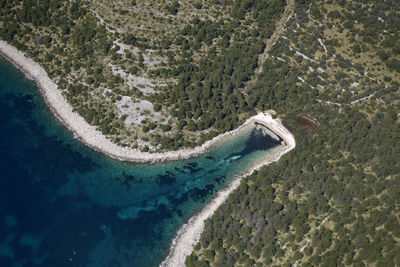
x=63, y=204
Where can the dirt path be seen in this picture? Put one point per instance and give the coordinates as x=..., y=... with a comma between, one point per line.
x=280, y=25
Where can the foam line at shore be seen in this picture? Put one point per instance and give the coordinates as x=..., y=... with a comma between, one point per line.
x=88, y=134
x=189, y=235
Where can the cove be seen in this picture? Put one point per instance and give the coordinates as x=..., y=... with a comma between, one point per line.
x=63, y=204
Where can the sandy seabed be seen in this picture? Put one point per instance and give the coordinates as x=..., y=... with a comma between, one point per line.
x=189, y=234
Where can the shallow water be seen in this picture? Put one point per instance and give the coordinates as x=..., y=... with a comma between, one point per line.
x=62, y=204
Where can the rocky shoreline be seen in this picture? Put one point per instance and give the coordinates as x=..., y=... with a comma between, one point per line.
x=88, y=134
x=189, y=234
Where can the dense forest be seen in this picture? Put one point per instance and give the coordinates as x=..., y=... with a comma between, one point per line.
x=336, y=195
x=334, y=200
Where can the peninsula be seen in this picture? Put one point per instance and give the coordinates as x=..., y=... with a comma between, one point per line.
x=189, y=234
x=93, y=138
x=144, y=74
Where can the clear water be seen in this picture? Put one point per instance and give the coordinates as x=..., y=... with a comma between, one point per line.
x=62, y=204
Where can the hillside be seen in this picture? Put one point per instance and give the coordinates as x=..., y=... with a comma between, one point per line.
x=153, y=75
x=334, y=200
x=161, y=75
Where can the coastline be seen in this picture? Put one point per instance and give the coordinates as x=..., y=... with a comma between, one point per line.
x=88, y=134
x=189, y=234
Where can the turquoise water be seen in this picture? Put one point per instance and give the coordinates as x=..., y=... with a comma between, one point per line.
x=62, y=204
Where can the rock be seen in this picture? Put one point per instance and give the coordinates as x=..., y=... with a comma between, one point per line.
x=39, y=39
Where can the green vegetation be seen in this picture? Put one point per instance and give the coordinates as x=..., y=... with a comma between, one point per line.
x=190, y=60
x=346, y=175
x=159, y=75
x=334, y=200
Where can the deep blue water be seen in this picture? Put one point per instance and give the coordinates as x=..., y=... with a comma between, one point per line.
x=62, y=204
